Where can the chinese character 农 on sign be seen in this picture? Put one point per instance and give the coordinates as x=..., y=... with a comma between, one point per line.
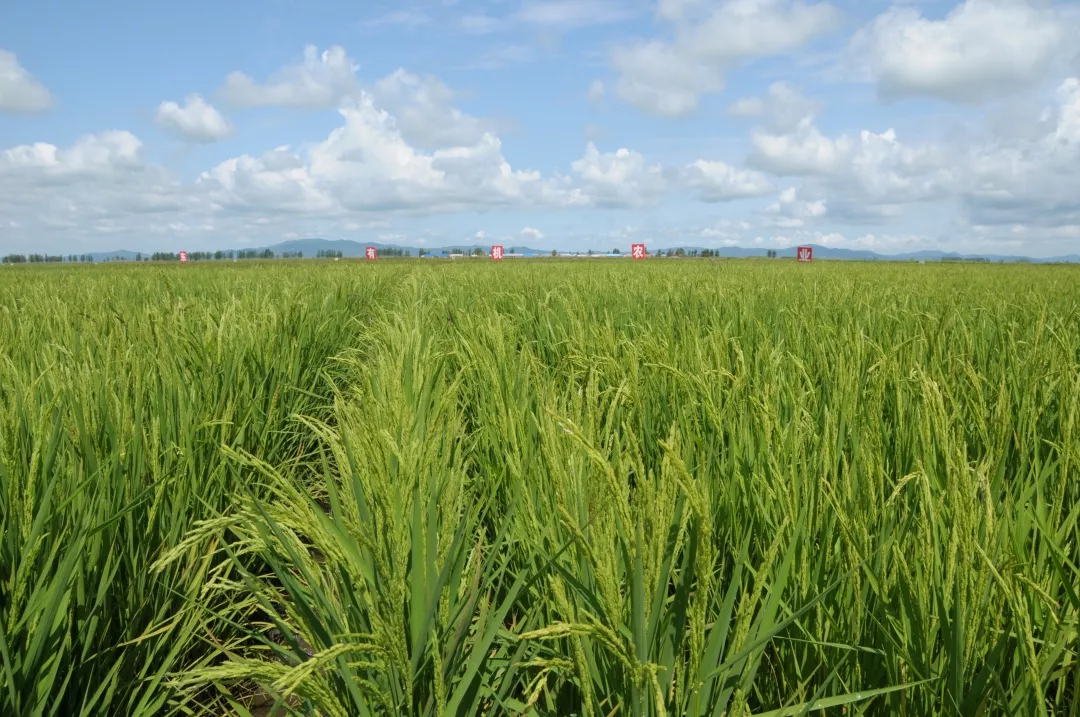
x=370, y=253
x=637, y=251
x=496, y=252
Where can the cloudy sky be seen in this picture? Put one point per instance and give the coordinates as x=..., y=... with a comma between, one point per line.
x=574, y=124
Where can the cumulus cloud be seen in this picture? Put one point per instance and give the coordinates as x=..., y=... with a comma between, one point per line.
x=863, y=178
x=803, y=150
x=197, y=120
x=422, y=107
x=718, y=182
x=1030, y=183
x=95, y=187
x=789, y=212
x=367, y=165
x=365, y=170
x=781, y=109
x=979, y=50
x=619, y=178
x=20, y=93
x=1013, y=188
x=870, y=168
x=668, y=76
x=319, y=80
x=423, y=111
x=93, y=155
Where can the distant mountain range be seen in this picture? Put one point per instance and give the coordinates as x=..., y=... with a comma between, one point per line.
x=348, y=248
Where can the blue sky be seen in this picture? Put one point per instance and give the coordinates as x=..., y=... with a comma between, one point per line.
x=892, y=126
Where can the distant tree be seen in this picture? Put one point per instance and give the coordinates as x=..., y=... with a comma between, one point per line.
x=680, y=252
x=590, y=252
x=477, y=251
x=615, y=250
x=554, y=252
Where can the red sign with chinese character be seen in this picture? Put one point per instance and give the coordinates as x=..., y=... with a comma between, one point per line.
x=183, y=257
x=370, y=253
x=496, y=252
x=805, y=253
x=637, y=251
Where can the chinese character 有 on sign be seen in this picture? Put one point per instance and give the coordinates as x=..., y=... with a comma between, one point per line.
x=370, y=253
x=637, y=251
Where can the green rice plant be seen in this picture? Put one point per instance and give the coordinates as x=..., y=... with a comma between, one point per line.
x=722, y=488
x=118, y=390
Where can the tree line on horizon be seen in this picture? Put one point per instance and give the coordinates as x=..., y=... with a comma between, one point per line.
x=222, y=255
x=159, y=256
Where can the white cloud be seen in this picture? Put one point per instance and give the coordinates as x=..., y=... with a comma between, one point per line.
x=318, y=81
x=421, y=106
x=979, y=50
x=620, y=178
x=668, y=77
x=804, y=150
x=278, y=181
x=790, y=212
x=878, y=166
x=865, y=177
x=367, y=166
x=657, y=78
x=718, y=182
x=404, y=150
x=197, y=120
x=93, y=154
x=625, y=178
x=782, y=107
x=1030, y=184
x=423, y=111
x=59, y=196
x=20, y=93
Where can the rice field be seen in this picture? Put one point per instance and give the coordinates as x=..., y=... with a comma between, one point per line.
x=548, y=488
